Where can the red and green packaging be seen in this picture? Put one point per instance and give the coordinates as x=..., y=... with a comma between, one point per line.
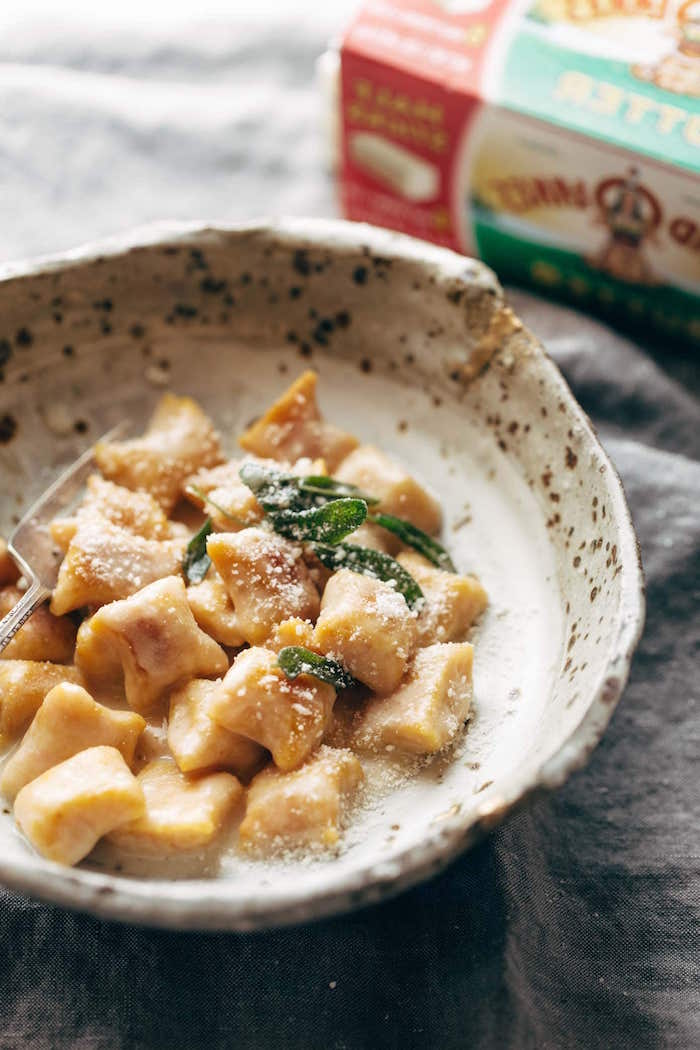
x=559, y=140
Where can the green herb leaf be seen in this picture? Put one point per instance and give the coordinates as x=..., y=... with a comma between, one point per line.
x=329, y=488
x=416, y=538
x=273, y=489
x=327, y=524
x=369, y=562
x=277, y=490
x=295, y=660
x=196, y=562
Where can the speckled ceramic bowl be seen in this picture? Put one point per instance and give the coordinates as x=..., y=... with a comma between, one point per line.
x=417, y=352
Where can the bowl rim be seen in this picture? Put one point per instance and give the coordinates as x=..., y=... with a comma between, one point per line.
x=203, y=904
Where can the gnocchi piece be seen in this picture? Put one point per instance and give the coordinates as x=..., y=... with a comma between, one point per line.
x=428, y=709
x=198, y=743
x=227, y=501
x=9, y=573
x=153, y=638
x=302, y=808
x=293, y=427
x=366, y=625
x=266, y=578
x=105, y=562
x=136, y=512
x=398, y=493
x=43, y=637
x=68, y=808
x=23, y=686
x=452, y=602
x=182, y=813
x=153, y=743
x=68, y=721
x=376, y=538
x=213, y=610
x=178, y=441
x=257, y=700
x=294, y=631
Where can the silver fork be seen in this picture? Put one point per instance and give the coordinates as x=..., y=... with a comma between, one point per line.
x=31, y=545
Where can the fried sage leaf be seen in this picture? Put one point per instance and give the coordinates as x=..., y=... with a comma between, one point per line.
x=370, y=562
x=273, y=489
x=414, y=537
x=295, y=660
x=278, y=490
x=325, y=487
x=196, y=562
x=327, y=524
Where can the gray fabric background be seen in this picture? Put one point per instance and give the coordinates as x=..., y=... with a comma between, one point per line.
x=573, y=926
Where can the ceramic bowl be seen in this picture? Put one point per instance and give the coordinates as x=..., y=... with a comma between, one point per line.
x=417, y=352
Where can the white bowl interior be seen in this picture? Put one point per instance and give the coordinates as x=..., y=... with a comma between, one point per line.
x=531, y=506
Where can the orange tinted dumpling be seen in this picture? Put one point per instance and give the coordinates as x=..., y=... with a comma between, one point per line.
x=198, y=743
x=257, y=700
x=153, y=637
x=105, y=562
x=266, y=578
x=43, y=637
x=179, y=440
x=182, y=813
x=227, y=501
x=452, y=602
x=23, y=686
x=367, y=626
x=68, y=808
x=136, y=512
x=427, y=711
x=294, y=631
x=293, y=427
x=375, y=537
x=213, y=610
x=303, y=808
x=68, y=721
x=398, y=493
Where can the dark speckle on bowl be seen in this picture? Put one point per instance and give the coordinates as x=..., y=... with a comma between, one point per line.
x=301, y=262
x=8, y=428
x=197, y=260
x=211, y=286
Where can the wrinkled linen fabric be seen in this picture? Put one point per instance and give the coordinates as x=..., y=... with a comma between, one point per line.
x=574, y=926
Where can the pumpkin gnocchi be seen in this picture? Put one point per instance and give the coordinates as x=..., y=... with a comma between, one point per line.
x=216, y=622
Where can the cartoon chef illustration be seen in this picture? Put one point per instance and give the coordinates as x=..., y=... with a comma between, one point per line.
x=631, y=215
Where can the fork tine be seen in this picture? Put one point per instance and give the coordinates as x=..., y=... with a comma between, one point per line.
x=61, y=491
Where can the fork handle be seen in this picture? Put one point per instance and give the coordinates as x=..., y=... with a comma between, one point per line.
x=20, y=613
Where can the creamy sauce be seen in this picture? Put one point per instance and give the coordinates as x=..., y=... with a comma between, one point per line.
x=493, y=528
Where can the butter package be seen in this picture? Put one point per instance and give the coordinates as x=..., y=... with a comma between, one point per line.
x=559, y=140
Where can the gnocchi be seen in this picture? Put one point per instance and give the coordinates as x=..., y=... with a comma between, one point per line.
x=230, y=640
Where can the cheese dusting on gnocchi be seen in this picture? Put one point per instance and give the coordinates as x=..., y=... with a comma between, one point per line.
x=239, y=671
